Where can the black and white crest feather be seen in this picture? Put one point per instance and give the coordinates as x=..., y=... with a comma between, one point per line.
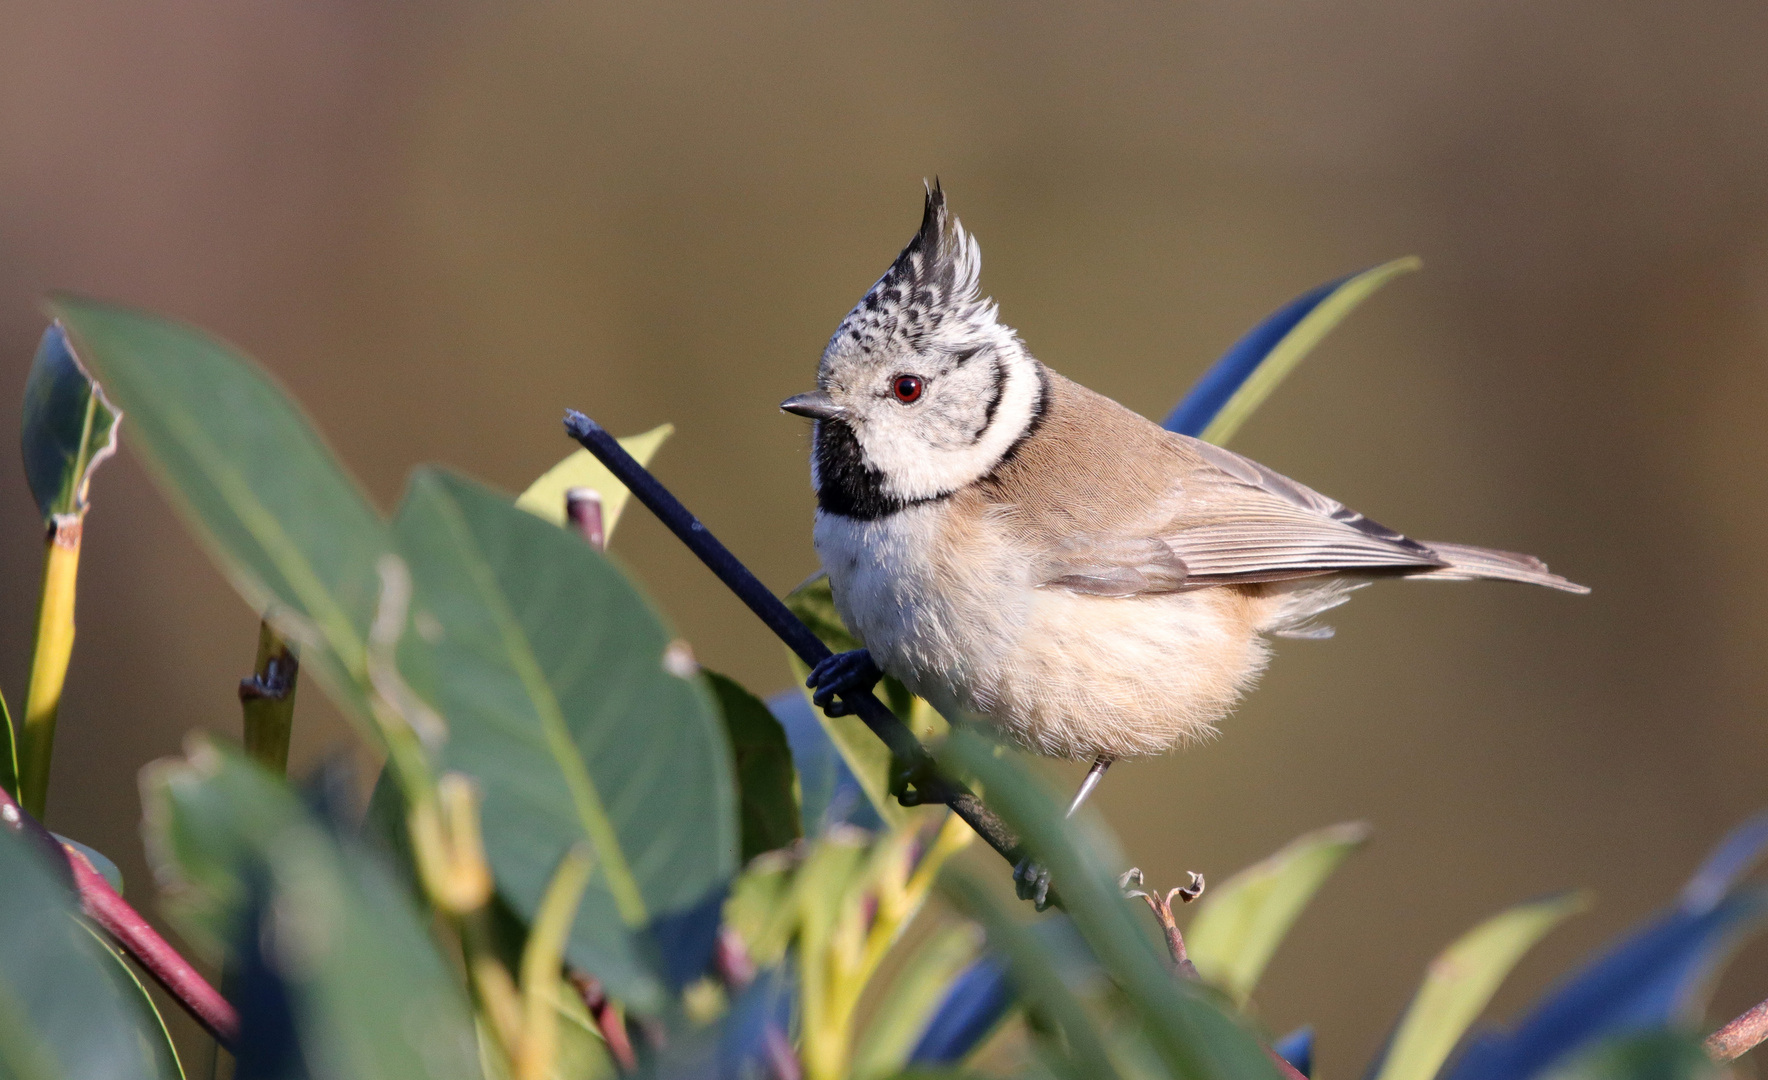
x=929, y=294
x=977, y=391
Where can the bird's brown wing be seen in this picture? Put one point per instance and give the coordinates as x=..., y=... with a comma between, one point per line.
x=1230, y=520
x=1243, y=522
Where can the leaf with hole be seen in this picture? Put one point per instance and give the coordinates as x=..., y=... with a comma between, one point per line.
x=252, y=480
x=583, y=719
x=69, y=428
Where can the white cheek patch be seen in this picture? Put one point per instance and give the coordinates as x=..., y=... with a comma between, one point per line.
x=916, y=467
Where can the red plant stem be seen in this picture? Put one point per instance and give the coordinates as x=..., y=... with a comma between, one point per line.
x=609, y=1019
x=1290, y=1072
x=132, y=933
x=1740, y=1036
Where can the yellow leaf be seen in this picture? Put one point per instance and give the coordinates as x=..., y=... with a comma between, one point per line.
x=545, y=497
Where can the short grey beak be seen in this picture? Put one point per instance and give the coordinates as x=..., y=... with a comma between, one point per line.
x=817, y=405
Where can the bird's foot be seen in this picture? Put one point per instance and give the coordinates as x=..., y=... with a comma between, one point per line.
x=842, y=673
x=914, y=783
x=1032, y=882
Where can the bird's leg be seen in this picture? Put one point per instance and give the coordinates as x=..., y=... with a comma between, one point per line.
x=842, y=673
x=1090, y=781
x=1030, y=880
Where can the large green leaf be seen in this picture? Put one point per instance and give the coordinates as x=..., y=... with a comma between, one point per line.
x=581, y=716
x=147, y=1015
x=765, y=778
x=251, y=478
x=69, y=428
x=63, y=1014
x=1240, y=922
x=1186, y=1026
x=1463, y=979
x=243, y=862
x=546, y=496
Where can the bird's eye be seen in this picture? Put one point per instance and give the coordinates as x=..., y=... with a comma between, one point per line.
x=907, y=388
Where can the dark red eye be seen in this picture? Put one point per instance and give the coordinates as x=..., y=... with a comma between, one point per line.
x=907, y=388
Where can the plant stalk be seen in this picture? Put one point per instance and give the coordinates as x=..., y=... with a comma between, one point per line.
x=267, y=700
x=1740, y=1036
x=49, y=661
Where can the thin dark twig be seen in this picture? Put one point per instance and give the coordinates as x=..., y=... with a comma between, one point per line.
x=928, y=785
x=1740, y=1036
x=131, y=932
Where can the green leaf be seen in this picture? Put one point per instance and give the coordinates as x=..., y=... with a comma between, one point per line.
x=131, y=989
x=253, y=481
x=63, y=1014
x=580, y=715
x=760, y=907
x=1463, y=979
x=766, y=782
x=1035, y=972
x=545, y=497
x=1240, y=922
x=8, y=752
x=908, y=1003
x=70, y=428
x=1295, y=346
x=369, y=993
x=1655, y=1055
x=1188, y=1029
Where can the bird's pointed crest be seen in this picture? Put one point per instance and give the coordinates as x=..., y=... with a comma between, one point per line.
x=930, y=292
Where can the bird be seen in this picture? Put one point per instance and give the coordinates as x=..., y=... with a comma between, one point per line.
x=1025, y=553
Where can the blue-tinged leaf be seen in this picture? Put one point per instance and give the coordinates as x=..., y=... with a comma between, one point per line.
x=1297, y=1048
x=977, y=1001
x=1735, y=855
x=1653, y=979
x=828, y=792
x=105, y=867
x=982, y=996
x=1248, y=372
x=69, y=427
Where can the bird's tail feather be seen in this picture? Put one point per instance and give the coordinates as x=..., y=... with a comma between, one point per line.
x=1468, y=563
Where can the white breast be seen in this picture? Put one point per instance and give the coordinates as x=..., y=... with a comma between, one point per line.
x=936, y=616
x=946, y=611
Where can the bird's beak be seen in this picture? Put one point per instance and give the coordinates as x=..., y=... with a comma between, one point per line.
x=817, y=405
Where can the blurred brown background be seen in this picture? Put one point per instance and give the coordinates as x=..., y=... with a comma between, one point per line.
x=440, y=225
